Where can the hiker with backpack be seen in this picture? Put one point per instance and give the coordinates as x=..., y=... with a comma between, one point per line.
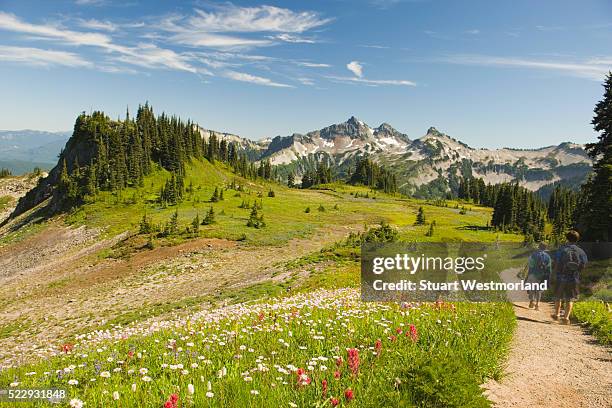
x=539, y=269
x=570, y=260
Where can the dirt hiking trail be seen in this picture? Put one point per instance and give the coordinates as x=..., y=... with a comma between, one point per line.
x=552, y=365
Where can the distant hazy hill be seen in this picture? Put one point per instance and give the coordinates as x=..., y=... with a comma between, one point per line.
x=22, y=150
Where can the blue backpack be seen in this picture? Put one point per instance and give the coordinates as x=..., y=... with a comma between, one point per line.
x=542, y=262
x=570, y=262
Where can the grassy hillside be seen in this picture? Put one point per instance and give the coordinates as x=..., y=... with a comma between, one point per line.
x=285, y=214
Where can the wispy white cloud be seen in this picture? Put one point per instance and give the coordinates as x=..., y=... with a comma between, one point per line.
x=185, y=34
x=379, y=47
x=356, y=68
x=151, y=56
x=89, y=2
x=473, y=31
x=306, y=81
x=593, y=69
x=94, y=24
x=549, y=28
x=387, y=4
x=291, y=38
x=144, y=55
x=227, y=26
x=221, y=60
x=372, y=82
x=312, y=64
x=115, y=69
x=437, y=35
x=601, y=61
x=10, y=22
x=244, y=77
x=41, y=57
x=230, y=18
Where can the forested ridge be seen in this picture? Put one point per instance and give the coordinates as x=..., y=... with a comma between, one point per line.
x=109, y=155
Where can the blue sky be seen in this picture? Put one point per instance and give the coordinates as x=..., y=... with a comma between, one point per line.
x=492, y=74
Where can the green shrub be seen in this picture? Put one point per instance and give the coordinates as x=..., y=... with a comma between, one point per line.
x=597, y=317
x=440, y=381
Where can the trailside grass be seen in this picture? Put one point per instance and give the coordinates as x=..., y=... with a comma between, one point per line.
x=596, y=316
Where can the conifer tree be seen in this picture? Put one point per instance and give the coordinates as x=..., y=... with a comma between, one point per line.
x=195, y=224
x=290, y=180
x=146, y=227
x=66, y=188
x=210, y=217
x=255, y=220
x=420, y=218
x=172, y=225
x=595, y=212
x=215, y=196
x=430, y=231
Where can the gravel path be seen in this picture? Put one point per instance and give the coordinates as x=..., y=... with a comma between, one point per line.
x=553, y=365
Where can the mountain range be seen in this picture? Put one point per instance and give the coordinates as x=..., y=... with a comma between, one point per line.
x=426, y=165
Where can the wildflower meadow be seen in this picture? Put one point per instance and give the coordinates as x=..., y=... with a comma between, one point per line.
x=324, y=348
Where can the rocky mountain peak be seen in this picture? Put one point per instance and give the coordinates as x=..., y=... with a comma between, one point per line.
x=434, y=132
x=353, y=128
x=354, y=121
x=386, y=127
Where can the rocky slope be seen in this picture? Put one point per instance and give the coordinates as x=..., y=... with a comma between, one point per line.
x=12, y=189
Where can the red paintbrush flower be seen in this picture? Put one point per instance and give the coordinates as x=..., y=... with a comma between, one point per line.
x=337, y=374
x=353, y=360
x=414, y=335
x=334, y=402
x=348, y=394
x=66, y=348
x=324, y=387
x=302, y=377
x=378, y=347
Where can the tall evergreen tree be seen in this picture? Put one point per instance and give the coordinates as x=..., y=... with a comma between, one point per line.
x=595, y=212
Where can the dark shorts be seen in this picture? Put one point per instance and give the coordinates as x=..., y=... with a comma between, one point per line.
x=566, y=290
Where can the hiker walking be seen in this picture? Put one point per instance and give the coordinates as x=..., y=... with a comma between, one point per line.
x=540, y=267
x=570, y=260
